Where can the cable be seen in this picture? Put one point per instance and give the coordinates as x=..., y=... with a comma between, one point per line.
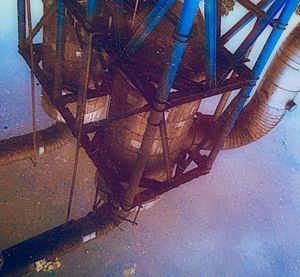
x=134, y=12
x=33, y=112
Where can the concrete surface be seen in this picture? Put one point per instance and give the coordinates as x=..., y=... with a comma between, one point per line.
x=240, y=220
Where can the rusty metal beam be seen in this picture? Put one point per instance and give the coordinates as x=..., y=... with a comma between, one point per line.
x=252, y=7
x=41, y=22
x=72, y=96
x=80, y=109
x=242, y=22
x=96, y=126
x=142, y=159
x=165, y=146
x=178, y=98
x=32, y=66
x=164, y=187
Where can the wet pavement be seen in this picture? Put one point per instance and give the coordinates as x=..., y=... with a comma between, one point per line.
x=240, y=220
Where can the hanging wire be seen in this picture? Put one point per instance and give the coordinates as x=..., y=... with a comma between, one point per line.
x=165, y=147
x=33, y=112
x=74, y=175
x=79, y=118
x=134, y=12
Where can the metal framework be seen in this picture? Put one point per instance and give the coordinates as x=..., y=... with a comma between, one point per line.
x=220, y=64
x=225, y=72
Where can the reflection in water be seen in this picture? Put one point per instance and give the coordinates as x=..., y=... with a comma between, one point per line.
x=219, y=236
x=15, y=90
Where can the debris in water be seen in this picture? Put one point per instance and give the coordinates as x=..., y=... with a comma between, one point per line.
x=284, y=143
x=130, y=271
x=47, y=266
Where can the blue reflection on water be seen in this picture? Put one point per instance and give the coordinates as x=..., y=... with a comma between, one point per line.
x=15, y=89
x=15, y=104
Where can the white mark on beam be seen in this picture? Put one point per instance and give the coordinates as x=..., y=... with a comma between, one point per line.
x=89, y=237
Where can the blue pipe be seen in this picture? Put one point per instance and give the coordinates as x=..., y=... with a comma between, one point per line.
x=261, y=62
x=149, y=24
x=210, y=13
x=155, y=11
x=267, y=51
x=259, y=27
x=184, y=26
x=60, y=21
x=274, y=37
x=21, y=22
x=91, y=9
x=252, y=15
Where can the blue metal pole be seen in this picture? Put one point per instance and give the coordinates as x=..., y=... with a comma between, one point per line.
x=156, y=10
x=271, y=42
x=156, y=116
x=274, y=37
x=60, y=26
x=243, y=22
x=259, y=27
x=184, y=26
x=210, y=13
x=259, y=66
x=91, y=9
x=149, y=24
x=21, y=22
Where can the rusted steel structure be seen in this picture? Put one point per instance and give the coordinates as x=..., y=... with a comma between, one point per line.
x=154, y=74
x=147, y=82
x=147, y=79
x=128, y=80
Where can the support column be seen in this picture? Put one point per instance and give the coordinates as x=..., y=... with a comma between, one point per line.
x=259, y=66
x=211, y=25
x=91, y=9
x=258, y=28
x=182, y=33
x=21, y=22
